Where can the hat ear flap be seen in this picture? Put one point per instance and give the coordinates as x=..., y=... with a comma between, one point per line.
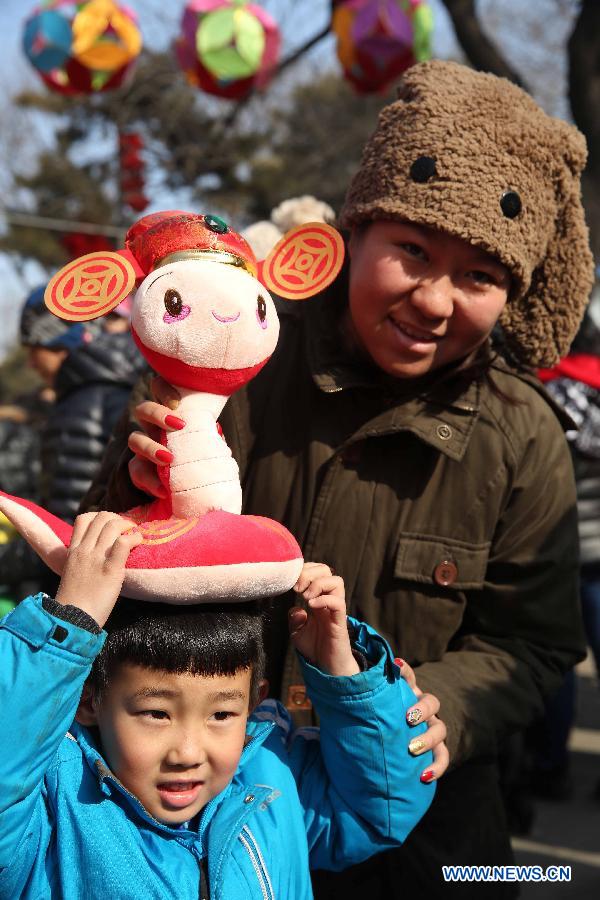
x=540, y=325
x=303, y=262
x=92, y=286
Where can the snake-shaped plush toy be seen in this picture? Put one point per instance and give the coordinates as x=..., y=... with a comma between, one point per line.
x=204, y=320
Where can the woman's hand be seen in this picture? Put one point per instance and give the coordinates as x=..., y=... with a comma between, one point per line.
x=95, y=566
x=320, y=633
x=434, y=738
x=156, y=416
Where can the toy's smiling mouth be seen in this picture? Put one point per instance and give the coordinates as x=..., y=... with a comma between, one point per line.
x=225, y=319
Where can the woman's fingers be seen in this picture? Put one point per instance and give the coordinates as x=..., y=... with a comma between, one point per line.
x=144, y=476
x=408, y=674
x=441, y=761
x=158, y=415
x=142, y=445
x=428, y=706
x=165, y=393
x=428, y=740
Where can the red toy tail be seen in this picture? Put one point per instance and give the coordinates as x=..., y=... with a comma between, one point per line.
x=47, y=534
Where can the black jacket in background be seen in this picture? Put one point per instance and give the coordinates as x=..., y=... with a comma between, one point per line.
x=92, y=387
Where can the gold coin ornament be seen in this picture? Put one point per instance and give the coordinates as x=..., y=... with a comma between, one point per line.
x=90, y=287
x=304, y=262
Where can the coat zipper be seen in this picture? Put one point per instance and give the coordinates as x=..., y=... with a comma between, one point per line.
x=256, y=858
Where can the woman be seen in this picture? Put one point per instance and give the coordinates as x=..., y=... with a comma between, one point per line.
x=428, y=470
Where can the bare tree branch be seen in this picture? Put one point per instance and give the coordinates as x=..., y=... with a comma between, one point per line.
x=480, y=51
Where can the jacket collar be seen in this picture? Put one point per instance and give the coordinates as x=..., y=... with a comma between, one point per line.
x=442, y=415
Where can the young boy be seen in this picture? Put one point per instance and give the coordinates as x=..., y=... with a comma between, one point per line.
x=171, y=782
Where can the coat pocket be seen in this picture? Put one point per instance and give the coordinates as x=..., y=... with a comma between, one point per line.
x=446, y=562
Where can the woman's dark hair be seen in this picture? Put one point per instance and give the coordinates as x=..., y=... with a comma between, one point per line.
x=212, y=639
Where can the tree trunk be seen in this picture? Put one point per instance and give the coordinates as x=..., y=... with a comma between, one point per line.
x=584, y=96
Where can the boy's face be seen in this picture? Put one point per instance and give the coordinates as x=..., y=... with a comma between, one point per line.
x=420, y=298
x=174, y=741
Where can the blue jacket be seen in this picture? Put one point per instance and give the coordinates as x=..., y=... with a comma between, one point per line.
x=70, y=830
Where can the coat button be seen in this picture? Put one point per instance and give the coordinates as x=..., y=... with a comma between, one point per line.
x=249, y=798
x=445, y=573
x=444, y=432
x=297, y=698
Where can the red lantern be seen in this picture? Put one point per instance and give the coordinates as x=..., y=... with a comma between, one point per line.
x=132, y=171
x=77, y=244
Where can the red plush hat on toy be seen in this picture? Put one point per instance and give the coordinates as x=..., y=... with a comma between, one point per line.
x=203, y=318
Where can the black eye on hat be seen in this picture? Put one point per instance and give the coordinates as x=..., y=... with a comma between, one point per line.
x=216, y=224
x=422, y=169
x=510, y=204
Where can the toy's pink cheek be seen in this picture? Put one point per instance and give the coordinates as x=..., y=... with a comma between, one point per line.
x=262, y=322
x=185, y=311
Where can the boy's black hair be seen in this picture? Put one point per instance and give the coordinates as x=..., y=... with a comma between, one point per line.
x=212, y=639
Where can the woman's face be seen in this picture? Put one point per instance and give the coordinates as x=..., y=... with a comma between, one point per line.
x=419, y=298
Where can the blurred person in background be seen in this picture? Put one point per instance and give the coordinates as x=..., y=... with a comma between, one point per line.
x=263, y=235
x=91, y=371
x=575, y=385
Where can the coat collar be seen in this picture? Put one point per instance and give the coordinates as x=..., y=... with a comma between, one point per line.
x=442, y=415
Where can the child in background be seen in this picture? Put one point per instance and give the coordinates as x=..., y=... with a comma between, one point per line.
x=171, y=781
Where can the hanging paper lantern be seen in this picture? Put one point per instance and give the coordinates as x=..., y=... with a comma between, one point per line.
x=80, y=48
x=227, y=47
x=378, y=39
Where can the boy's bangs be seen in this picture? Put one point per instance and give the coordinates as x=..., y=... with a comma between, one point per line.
x=207, y=640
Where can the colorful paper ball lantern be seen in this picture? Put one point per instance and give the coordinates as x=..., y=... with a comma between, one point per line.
x=227, y=47
x=80, y=48
x=378, y=39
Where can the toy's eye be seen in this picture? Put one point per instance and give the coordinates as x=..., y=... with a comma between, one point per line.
x=173, y=302
x=261, y=308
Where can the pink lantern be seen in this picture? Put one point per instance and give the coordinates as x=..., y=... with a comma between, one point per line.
x=378, y=39
x=82, y=47
x=227, y=47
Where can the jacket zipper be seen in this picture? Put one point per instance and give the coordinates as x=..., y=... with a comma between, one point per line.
x=256, y=858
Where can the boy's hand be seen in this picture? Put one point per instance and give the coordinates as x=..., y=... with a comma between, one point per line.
x=93, y=574
x=320, y=633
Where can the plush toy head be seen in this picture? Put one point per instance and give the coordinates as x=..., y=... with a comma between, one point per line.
x=200, y=317
x=200, y=314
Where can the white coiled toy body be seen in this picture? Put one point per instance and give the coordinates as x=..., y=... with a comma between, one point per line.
x=203, y=475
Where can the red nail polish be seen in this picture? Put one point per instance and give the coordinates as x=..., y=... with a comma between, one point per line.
x=399, y=662
x=174, y=422
x=427, y=776
x=164, y=456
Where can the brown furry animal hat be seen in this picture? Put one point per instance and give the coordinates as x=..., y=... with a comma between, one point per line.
x=475, y=156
